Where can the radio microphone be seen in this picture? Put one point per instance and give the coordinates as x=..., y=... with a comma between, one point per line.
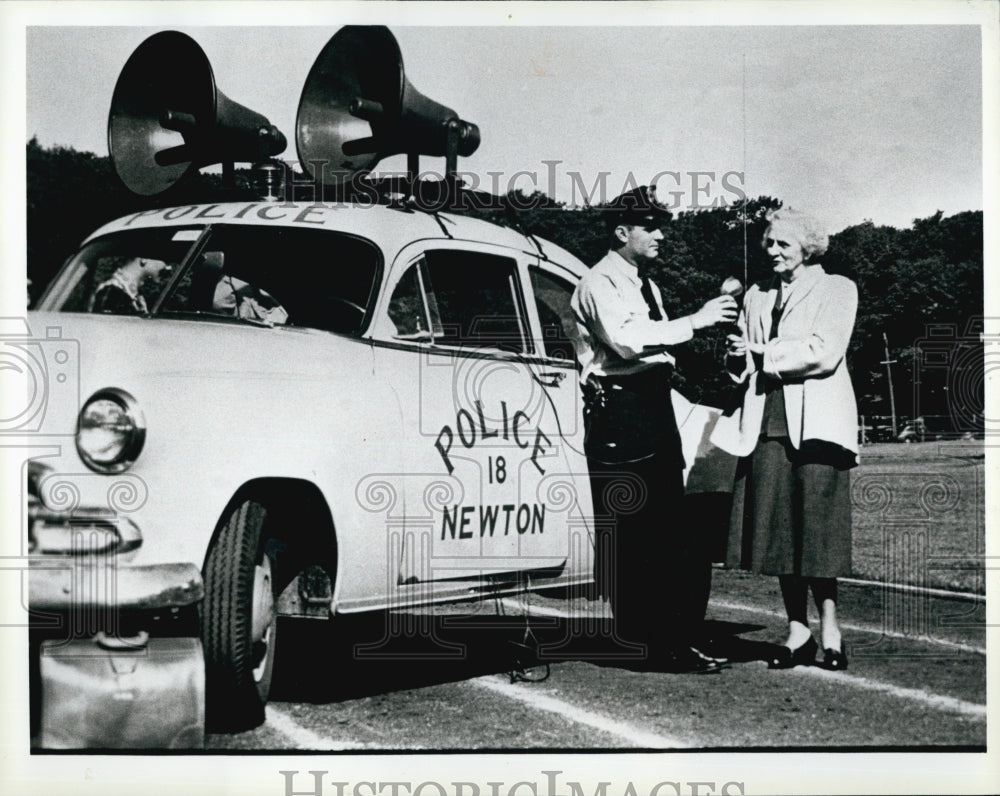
x=732, y=287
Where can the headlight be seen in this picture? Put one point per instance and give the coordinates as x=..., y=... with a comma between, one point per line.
x=110, y=431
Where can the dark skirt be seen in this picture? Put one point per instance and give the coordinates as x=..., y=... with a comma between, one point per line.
x=792, y=510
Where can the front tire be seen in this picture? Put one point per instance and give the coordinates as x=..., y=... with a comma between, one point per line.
x=239, y=622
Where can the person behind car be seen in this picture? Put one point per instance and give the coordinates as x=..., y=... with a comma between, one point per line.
x=797, y=429
x=124, y=292
x=633, y=444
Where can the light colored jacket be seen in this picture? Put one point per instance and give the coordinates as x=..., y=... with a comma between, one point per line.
x=807, y=356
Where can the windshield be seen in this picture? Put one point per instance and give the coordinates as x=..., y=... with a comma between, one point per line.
x=252, y=274
x=121, y=274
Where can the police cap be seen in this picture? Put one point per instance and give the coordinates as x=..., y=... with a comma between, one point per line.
x=636, y=207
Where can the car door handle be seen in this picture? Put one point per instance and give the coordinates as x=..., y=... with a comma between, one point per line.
x=551, y=378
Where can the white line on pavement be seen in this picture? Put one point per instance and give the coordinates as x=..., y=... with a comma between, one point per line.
x=931, y=700
x=302, y=738
x=539, y=701
x=878, y=631
x=540, y=610
x=926, y=697
x=947, y=594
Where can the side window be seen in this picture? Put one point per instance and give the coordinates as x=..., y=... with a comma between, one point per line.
x=478, y=300
x=407, y=309
x=456, y=298
x=552, y=297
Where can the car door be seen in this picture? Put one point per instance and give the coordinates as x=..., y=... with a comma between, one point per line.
x=554, y=367
x=480, y=434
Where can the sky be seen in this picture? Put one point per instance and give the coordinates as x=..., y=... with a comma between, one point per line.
x=849, y=122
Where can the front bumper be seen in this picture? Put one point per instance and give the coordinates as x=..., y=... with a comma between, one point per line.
x=79, y=557
x=66, y=583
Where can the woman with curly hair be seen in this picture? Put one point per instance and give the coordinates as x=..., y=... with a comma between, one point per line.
x=797, y=434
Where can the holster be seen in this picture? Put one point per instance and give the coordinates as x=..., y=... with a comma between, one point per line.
x=628, y=418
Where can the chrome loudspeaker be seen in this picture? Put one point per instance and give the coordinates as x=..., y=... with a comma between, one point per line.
x=357, y=107
x=167, y=118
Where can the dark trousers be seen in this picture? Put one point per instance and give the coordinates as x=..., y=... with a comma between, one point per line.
x=651, y=560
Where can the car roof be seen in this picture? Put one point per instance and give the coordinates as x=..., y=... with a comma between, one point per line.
x=390, y=228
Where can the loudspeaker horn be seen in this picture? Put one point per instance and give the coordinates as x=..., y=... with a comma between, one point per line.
x=167, y=118
x=357, y=107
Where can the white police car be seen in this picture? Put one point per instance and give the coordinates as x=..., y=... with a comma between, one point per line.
x=411, y=424
x=299, y=408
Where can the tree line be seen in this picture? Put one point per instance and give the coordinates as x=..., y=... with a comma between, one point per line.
x=920, y=289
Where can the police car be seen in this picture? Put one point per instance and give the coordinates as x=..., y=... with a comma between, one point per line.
x=299, y=408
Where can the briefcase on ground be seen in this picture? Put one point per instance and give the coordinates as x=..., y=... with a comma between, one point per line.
x=137, y=693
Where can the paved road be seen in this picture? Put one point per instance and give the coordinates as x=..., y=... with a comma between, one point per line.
x=445, y=680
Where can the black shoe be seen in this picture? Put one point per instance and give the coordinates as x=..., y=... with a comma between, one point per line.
x=834, y=660
x=688, y=660
x=719, y=659
x=786, y=658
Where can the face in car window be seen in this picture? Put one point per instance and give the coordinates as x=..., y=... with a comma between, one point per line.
x=125, y=273
x=132, y=279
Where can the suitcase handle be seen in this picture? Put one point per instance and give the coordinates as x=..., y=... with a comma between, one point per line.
x=138, y=641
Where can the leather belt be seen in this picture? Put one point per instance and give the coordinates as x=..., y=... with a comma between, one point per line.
x=650, y=381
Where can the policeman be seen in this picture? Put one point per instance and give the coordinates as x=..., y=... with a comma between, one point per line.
x=644, y=547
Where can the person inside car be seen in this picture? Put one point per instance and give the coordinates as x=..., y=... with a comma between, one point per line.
x=214, y=291
x=242, y=300
x=124, y=292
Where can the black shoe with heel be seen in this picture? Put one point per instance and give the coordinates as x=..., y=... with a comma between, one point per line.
x=688, y=660
x=834, y=660
x=786, y=658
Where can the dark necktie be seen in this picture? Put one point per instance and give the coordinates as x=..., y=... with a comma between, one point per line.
x=647, y=293
x=776, y=313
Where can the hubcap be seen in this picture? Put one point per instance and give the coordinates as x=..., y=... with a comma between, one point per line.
x=262, y=616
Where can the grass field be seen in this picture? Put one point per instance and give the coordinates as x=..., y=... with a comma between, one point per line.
x=919, y=514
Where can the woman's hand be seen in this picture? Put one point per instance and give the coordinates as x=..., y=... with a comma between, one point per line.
x=736, y=345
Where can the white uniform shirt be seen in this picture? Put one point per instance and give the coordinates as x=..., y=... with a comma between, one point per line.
x=615, y=335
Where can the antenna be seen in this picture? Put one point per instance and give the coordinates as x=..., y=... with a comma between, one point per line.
x=746, y=279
